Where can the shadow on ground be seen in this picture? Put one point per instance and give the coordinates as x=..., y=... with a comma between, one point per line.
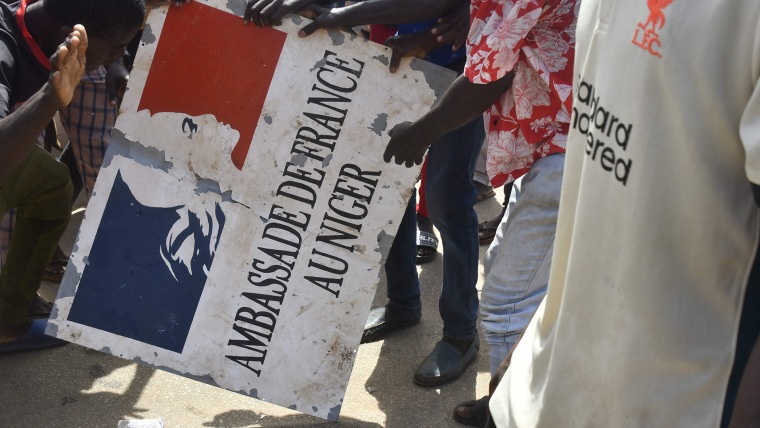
x=40, y=391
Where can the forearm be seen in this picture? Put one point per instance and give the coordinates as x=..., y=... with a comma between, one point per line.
x=394, y=11
x=19, y=130
x=462, y=103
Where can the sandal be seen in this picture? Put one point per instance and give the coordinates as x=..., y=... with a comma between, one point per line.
x=473, y=413
x=57, y=266
x=427, y=242
x=427, y=247
x=487, y=229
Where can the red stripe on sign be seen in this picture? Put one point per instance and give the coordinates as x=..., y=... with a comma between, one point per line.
x=208, y=62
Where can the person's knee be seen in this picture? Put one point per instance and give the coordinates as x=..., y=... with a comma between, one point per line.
x=446, y=199
x=67, y=193
x=61, y=187
x=53, y=197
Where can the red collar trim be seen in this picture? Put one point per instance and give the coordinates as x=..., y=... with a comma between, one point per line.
x=36, y=50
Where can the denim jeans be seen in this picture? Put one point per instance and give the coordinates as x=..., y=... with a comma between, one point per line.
x=451, y=196
x=519, y=259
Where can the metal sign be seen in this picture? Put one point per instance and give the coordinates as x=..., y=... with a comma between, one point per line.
x=243, y=213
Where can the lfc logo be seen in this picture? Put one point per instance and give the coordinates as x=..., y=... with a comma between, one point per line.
x=646, y=36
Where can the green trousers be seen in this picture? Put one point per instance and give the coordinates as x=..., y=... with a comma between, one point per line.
x=41, y=192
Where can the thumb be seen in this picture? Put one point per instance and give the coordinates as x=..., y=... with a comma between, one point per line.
x=387, y=155
x=396, y=56
x=309, y=29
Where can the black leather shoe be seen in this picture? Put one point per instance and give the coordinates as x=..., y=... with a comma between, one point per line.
x=384, y=319
x=445, y=363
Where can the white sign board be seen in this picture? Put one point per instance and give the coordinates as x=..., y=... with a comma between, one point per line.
x=243, y=213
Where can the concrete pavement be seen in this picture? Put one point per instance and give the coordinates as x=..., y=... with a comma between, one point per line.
x=73, y=386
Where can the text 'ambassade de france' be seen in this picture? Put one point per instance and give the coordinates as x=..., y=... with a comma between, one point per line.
x=303, y=176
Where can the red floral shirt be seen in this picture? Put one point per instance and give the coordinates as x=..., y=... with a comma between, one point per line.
x=536, y=40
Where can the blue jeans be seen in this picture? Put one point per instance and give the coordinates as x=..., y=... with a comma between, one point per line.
x=451, y=196
x=519, y=259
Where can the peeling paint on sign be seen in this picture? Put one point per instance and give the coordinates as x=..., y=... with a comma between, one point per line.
x=380, y=124
x=147, y=37
x=237, y=7
x=235, y=222
x=337, y=37
x=383, y=59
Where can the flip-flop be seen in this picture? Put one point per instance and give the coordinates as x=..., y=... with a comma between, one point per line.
x=487, y=229
x=486, y=232
x=426, y=240
x=479, y=410
x=34, y=338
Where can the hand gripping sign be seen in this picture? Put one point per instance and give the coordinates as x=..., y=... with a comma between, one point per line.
x=243, y=212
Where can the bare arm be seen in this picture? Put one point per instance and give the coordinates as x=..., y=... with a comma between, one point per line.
x=270, y=12
x=19, y=130
x=461, y=104
x=451, y=27
x=394, y=11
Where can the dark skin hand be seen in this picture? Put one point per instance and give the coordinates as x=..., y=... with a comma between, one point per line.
x=323, y=18
x=416, y=44
x=157, y=3
x=453, y=27
x=117, y=77
x=461, y=104
x=19, y=130
x=450, y=28
x=270, y=12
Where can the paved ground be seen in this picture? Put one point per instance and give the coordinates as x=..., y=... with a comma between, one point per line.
x=73, y=386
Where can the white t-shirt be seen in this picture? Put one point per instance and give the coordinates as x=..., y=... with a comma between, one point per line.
x=657, y=227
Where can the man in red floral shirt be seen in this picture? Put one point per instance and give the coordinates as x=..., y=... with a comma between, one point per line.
x=519, y=76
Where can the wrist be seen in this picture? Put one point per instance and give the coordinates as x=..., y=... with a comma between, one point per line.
x=425, y=130
x=49, y=98
x=344, y=16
